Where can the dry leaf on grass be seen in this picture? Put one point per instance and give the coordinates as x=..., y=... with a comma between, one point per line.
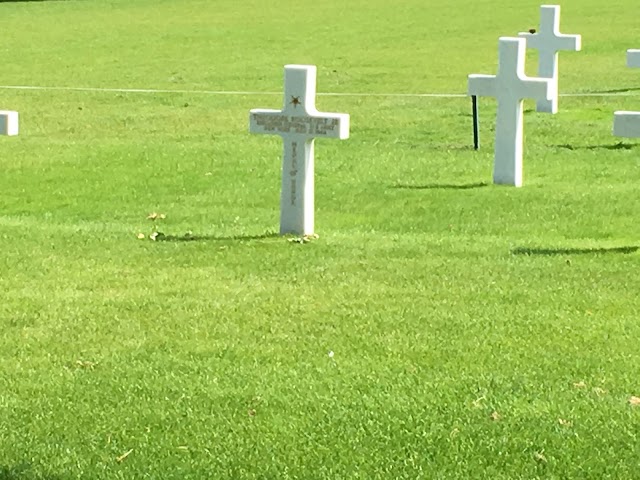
x=495, y=416
x=634, y=401
x=565, y=423
x=580, y=385
x=539, y=456
x=86, y=364
x=304, y=238
x=599, y=391
x=124, y=455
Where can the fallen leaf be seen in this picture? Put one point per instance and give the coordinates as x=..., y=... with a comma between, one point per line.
x=540, y=456
x=304, y=238
x=156, y=216
x=85, y=364
x=477, y=403
x=565, y=423
x=495, y=416
x=580, y=385
x=141, y=236
x=252, y=412
x=634, y=401
x=124, y=455
x=599, y=391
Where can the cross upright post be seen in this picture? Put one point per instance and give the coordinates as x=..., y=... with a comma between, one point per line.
x=298, y=123
x=510, y=87
x=627, y=124
x=549, y=41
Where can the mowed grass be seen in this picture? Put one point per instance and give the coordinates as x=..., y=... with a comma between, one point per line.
x=439, y=327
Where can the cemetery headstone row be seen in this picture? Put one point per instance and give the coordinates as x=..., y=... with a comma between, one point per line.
x=511, y=86
x=299, y=123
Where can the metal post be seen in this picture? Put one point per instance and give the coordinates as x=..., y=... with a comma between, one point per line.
x=476, y=132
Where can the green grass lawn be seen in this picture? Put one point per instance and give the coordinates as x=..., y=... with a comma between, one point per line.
x=439, y=327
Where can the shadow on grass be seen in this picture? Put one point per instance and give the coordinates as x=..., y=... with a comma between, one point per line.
x=188, y=237
x=24, y=472
x=617, y=90
x=439, y=147
x=615, y=146
x=572, y=251
x=442, y=186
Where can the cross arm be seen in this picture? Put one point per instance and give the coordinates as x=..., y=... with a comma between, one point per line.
x=633, y=58
x=8, y=122
x=265, y=121
x=538, y=88
x=560, y=41
x=481, y=85
x=329, y=125
x=319, y=124
x=572, y=43
x=626, y=124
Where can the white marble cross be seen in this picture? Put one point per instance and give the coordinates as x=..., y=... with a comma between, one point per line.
x=510, y=87
x=298, y=123
x=8, y=122
x=548, y=41
x=627, y=124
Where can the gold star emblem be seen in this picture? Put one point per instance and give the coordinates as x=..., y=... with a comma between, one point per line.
x=295, y=101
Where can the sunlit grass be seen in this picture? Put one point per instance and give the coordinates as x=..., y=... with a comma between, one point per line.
x=439, y=327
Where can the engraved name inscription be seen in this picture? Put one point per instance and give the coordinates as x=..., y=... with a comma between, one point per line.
x=294, y=170
x=303, y=125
